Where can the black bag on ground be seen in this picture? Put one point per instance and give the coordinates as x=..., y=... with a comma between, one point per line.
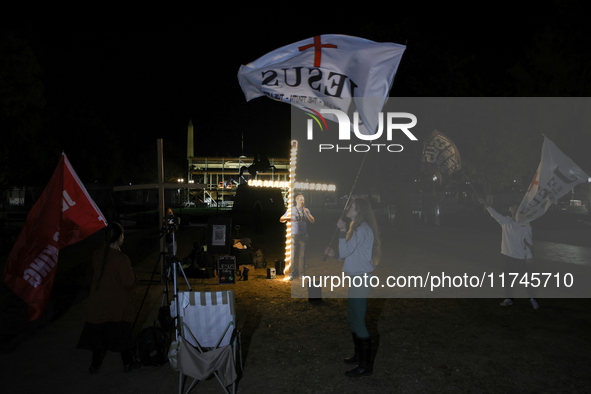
x=243, y=256
x=151, y=346
x=259, y=260
x=197, y=268
x=164, y=318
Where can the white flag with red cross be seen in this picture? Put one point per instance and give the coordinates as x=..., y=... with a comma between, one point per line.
x=330, y=71
x=557, y=174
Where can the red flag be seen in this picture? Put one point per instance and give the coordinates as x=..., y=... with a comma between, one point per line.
x=63, y=215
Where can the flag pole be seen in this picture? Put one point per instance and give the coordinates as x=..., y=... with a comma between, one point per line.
x=347, y=203
x=469, y=182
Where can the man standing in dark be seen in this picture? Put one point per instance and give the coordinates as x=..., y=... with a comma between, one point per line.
x=299, y=218
x=516, y=249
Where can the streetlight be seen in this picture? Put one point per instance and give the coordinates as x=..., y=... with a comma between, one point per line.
x=181, y=180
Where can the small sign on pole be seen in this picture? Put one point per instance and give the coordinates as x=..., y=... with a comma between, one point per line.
x=219, y=239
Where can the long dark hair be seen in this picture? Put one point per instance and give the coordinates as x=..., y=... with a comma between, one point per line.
x=112, y=234
x=365, y=214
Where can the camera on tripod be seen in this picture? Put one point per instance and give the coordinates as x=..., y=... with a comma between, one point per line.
x=172, y=222
x=170, y=225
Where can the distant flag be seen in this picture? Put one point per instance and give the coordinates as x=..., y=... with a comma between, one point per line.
x=557, y=174
x=63, y=215
x=330, y=71
x=440, y=155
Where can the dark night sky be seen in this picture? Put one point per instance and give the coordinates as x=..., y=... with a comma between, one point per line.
x=144, y=79
x=149, y=79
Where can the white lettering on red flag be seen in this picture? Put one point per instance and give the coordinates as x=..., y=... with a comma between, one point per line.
x=327, y=72
x=557, y=174
x=63, y=215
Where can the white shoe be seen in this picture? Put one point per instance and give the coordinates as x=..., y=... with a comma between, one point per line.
x=534, y=303
x=507, y=302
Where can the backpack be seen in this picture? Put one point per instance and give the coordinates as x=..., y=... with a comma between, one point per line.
x=259, y=260
x=151, y=346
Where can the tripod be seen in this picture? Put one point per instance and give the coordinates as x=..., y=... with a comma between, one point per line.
x=170, y=263
x=173, y=266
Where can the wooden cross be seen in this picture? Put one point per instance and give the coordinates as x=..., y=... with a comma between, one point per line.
x=160, y=186
x=293, y=185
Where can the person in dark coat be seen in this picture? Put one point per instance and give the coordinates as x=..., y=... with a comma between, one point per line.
x=110, y=313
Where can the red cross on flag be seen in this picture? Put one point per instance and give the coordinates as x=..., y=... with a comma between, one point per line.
x=330, y=71
x=557, y=174
x=63, y=215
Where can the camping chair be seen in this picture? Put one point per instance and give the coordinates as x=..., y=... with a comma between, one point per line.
x=208, y=337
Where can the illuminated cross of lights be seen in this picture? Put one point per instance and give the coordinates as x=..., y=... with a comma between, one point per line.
x=292, y=185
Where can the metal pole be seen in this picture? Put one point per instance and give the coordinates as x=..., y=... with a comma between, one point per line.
x=160, y=180
x=161, y=201
x=175, y=289
x=347, y=203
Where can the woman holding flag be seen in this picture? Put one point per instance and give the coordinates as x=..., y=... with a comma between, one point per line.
x=110, y=311
x=360, y=249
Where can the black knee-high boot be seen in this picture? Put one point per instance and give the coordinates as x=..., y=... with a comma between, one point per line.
x=127, y=357
x=365, y=368
x=128, y=361
x=97, y=360
x=355, y=358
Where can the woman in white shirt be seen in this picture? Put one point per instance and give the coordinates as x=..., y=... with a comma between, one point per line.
x=516, y=249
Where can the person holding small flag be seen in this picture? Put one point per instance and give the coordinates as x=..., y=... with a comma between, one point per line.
x=516, y=249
